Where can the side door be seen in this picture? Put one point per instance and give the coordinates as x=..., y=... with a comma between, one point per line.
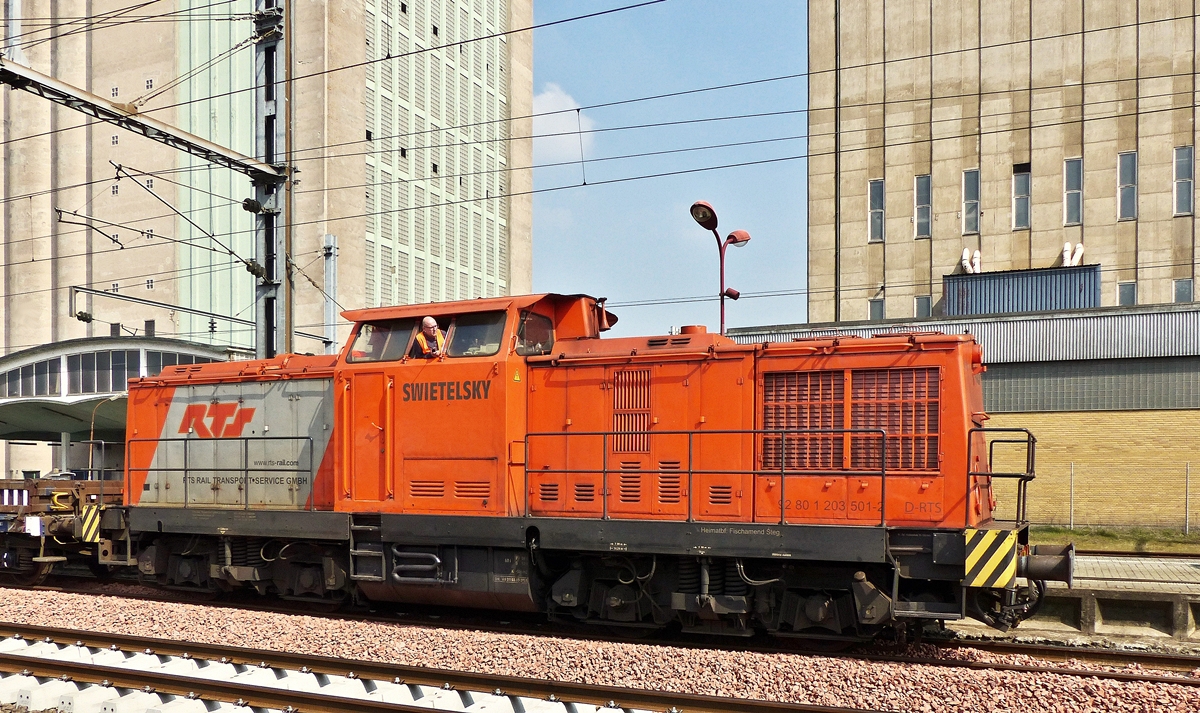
x=365, y=397
x=449, y=412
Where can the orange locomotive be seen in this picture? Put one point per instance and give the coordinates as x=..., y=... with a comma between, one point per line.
x=826, y=487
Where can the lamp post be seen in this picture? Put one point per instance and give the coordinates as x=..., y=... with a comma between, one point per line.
x=92, y=434
x=706, y=217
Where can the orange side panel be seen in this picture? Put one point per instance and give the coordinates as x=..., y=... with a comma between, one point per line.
x=916, y=500
x=146, y=418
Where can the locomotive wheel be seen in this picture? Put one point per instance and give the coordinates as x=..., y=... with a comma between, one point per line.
x=30, y=576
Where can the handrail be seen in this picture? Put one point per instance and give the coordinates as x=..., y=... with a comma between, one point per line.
x=347, y=432
x=245, y=469
x=386, y=435
x=784, y=472
x=1022, y=479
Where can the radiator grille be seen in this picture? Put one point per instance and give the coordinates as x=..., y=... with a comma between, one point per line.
x=585, y=492
x=804, y=400
x=548, y=492
x=905, y=403
x=631, y=411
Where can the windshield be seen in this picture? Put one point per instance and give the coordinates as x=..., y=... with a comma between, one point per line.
x=382, y=341
x=476, y=335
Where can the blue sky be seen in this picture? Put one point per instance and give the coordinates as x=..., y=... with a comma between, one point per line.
x=635, y=240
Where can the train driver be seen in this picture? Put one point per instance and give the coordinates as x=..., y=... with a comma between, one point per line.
x=430, y=342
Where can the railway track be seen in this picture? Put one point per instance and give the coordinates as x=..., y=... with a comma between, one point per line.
x=518, y=625
x=107, y=664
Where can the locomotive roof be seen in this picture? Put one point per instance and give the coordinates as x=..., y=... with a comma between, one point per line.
x=480, y=304
x=284, y=366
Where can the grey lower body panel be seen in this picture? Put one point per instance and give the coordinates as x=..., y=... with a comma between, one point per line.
x=303, y=524
x=831, y=543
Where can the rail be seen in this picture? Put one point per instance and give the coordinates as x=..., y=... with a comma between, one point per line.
x=779, y=438
x=1022, y=478
x=546, y=695
x=243, y=475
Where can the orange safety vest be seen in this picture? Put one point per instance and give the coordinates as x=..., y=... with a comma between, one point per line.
x=421, y=340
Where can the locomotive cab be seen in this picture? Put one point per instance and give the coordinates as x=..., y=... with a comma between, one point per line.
x=445, y=434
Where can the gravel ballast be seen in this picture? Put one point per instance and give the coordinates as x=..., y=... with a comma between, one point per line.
x=797, y=678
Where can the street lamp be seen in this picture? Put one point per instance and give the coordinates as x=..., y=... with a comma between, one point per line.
x=92, y=434
x=706, y=217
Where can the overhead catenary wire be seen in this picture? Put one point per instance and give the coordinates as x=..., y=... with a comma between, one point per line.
x=663, y=174
x=182, y=170
x=489, y=36
x=864, y=287
x=162, y=173
x=808, y=136
x=809, y=74
x=679, y=172
x=116, y=12
x=797, y=75
x=122, y=21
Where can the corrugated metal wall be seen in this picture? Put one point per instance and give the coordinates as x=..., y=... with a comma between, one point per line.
x=1130, y=333
x=1051, y=289
x=1109, y=385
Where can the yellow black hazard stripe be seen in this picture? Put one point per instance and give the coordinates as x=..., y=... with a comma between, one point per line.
x=90, y=521
x=991, y=559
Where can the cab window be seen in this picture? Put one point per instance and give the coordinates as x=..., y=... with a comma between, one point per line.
x=385, y=340
x=476, y=335
x=535, y=335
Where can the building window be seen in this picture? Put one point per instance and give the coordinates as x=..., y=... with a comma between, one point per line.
x=922, y=210
x=1126, y=294
x=875, y=210
x=875, y=308
x=923, y=306
x=116, y=286
x=149, y=183
x=1127, y=186
x=115, y=92
x=149, y=284
x=114, y=329
x=149, y=233
x=970, y=202
x=115, y=189
x=115, y=139
x=1020, y=196
x=1183, y=290
x=149, y=328
x=1073, y=191
x=435, y=30
x=1183, y=181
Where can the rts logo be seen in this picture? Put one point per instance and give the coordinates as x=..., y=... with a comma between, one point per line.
x=219, y=424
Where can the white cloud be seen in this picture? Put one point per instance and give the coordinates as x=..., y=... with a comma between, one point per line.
x=565, y=147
